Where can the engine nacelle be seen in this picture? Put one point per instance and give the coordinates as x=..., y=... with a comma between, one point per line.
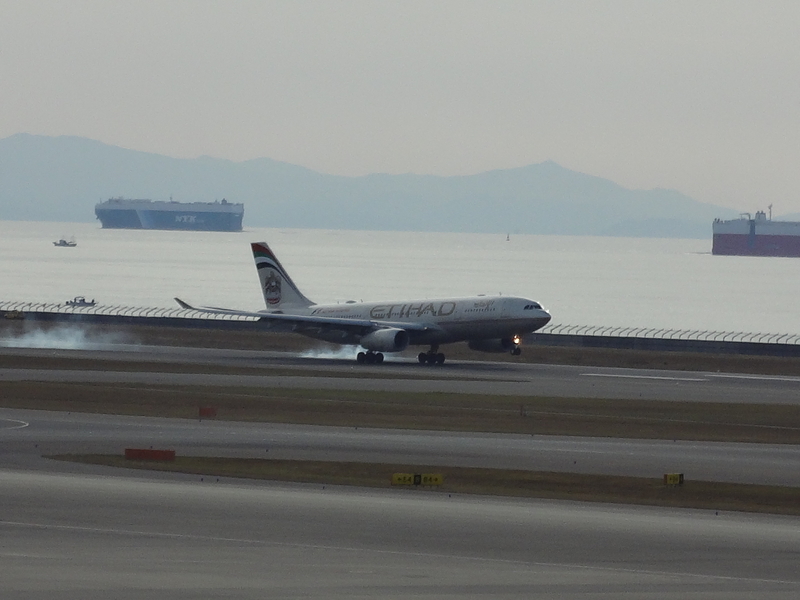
x=386, y=340
x=496, y=345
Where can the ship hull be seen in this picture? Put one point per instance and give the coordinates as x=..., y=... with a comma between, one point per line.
x=758, y=245
x=170, y=216
x=756, y=237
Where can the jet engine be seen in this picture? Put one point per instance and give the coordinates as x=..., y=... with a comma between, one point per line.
x=386, y=340
x=497, y=345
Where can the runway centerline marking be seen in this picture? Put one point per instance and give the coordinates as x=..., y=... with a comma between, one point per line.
x=22, y=424
x=159, y=534
x=657, y=377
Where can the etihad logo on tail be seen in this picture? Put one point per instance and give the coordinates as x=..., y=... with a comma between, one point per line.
x=272, y=289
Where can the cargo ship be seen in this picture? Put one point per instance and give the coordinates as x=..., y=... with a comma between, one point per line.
x=119, y=213
x=759, y=236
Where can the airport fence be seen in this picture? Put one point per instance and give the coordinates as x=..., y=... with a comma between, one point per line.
x=671, y=334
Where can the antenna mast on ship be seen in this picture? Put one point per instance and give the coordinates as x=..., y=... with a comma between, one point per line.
x=770, y=212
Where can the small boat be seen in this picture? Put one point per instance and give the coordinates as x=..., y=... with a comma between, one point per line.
x=80, y=301
x=66, y=243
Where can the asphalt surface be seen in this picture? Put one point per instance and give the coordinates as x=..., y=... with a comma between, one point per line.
x=109, y=536
x=26, y=435
x=81, y=531
x=518, y=379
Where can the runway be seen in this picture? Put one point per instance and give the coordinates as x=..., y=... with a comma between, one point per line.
x=81, y=531
x=517, y=379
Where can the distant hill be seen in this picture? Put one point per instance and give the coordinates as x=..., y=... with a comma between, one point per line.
x=62, y=178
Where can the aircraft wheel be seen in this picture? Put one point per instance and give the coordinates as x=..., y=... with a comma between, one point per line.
x=361, y=358
x=430, y=359
x=422, y=358
x=440, y=359
x=378, y=358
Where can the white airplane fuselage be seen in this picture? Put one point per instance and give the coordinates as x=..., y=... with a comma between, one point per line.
x=449, y=319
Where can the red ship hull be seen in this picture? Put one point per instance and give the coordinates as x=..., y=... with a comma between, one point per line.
x=759, y=236
x=756, y=245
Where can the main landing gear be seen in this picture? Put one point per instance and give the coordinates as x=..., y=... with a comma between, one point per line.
x=431, y=357
x=370, y=358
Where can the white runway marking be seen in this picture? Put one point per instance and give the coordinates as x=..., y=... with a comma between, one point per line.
x=22, y=424
x=643, y=377
x=755, y=377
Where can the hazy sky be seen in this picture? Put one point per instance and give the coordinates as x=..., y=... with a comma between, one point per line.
x=699, y=96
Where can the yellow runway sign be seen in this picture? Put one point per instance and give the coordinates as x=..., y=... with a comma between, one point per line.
x=417, y=479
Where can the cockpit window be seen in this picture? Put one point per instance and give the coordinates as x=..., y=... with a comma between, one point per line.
x=534, y=306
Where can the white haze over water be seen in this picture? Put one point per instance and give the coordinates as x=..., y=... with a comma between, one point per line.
x=660, y=283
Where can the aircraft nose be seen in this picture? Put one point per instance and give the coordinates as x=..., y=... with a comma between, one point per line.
x=544, y=318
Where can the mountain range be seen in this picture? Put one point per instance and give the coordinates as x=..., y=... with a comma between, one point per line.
x=61, y=178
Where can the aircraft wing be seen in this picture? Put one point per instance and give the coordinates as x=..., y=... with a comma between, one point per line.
x=301, y=322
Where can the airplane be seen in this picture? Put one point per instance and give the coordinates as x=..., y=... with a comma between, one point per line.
x=486, y=323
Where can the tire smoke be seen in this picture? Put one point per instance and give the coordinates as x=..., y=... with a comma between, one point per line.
x=66, y=337
x=343, y=353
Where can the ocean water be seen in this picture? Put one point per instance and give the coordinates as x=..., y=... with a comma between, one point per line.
x=632, y=282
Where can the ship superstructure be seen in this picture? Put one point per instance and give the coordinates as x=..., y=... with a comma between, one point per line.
x=121, y=213
x=756, y=236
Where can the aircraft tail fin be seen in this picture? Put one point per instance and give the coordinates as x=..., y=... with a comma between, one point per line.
x=278, y=288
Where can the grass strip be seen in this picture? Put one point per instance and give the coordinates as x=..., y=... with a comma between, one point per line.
x=494, y=482
x=531, y=415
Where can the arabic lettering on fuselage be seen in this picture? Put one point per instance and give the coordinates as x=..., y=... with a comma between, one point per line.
x=332, y=310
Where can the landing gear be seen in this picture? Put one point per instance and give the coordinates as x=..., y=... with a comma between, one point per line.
x=431, y=357
x=370, y=358
x=515, y=349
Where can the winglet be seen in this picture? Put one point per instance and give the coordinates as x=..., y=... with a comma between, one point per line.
x=184, y=305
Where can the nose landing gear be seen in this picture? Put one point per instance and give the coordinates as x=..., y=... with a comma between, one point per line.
x=431, y=357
